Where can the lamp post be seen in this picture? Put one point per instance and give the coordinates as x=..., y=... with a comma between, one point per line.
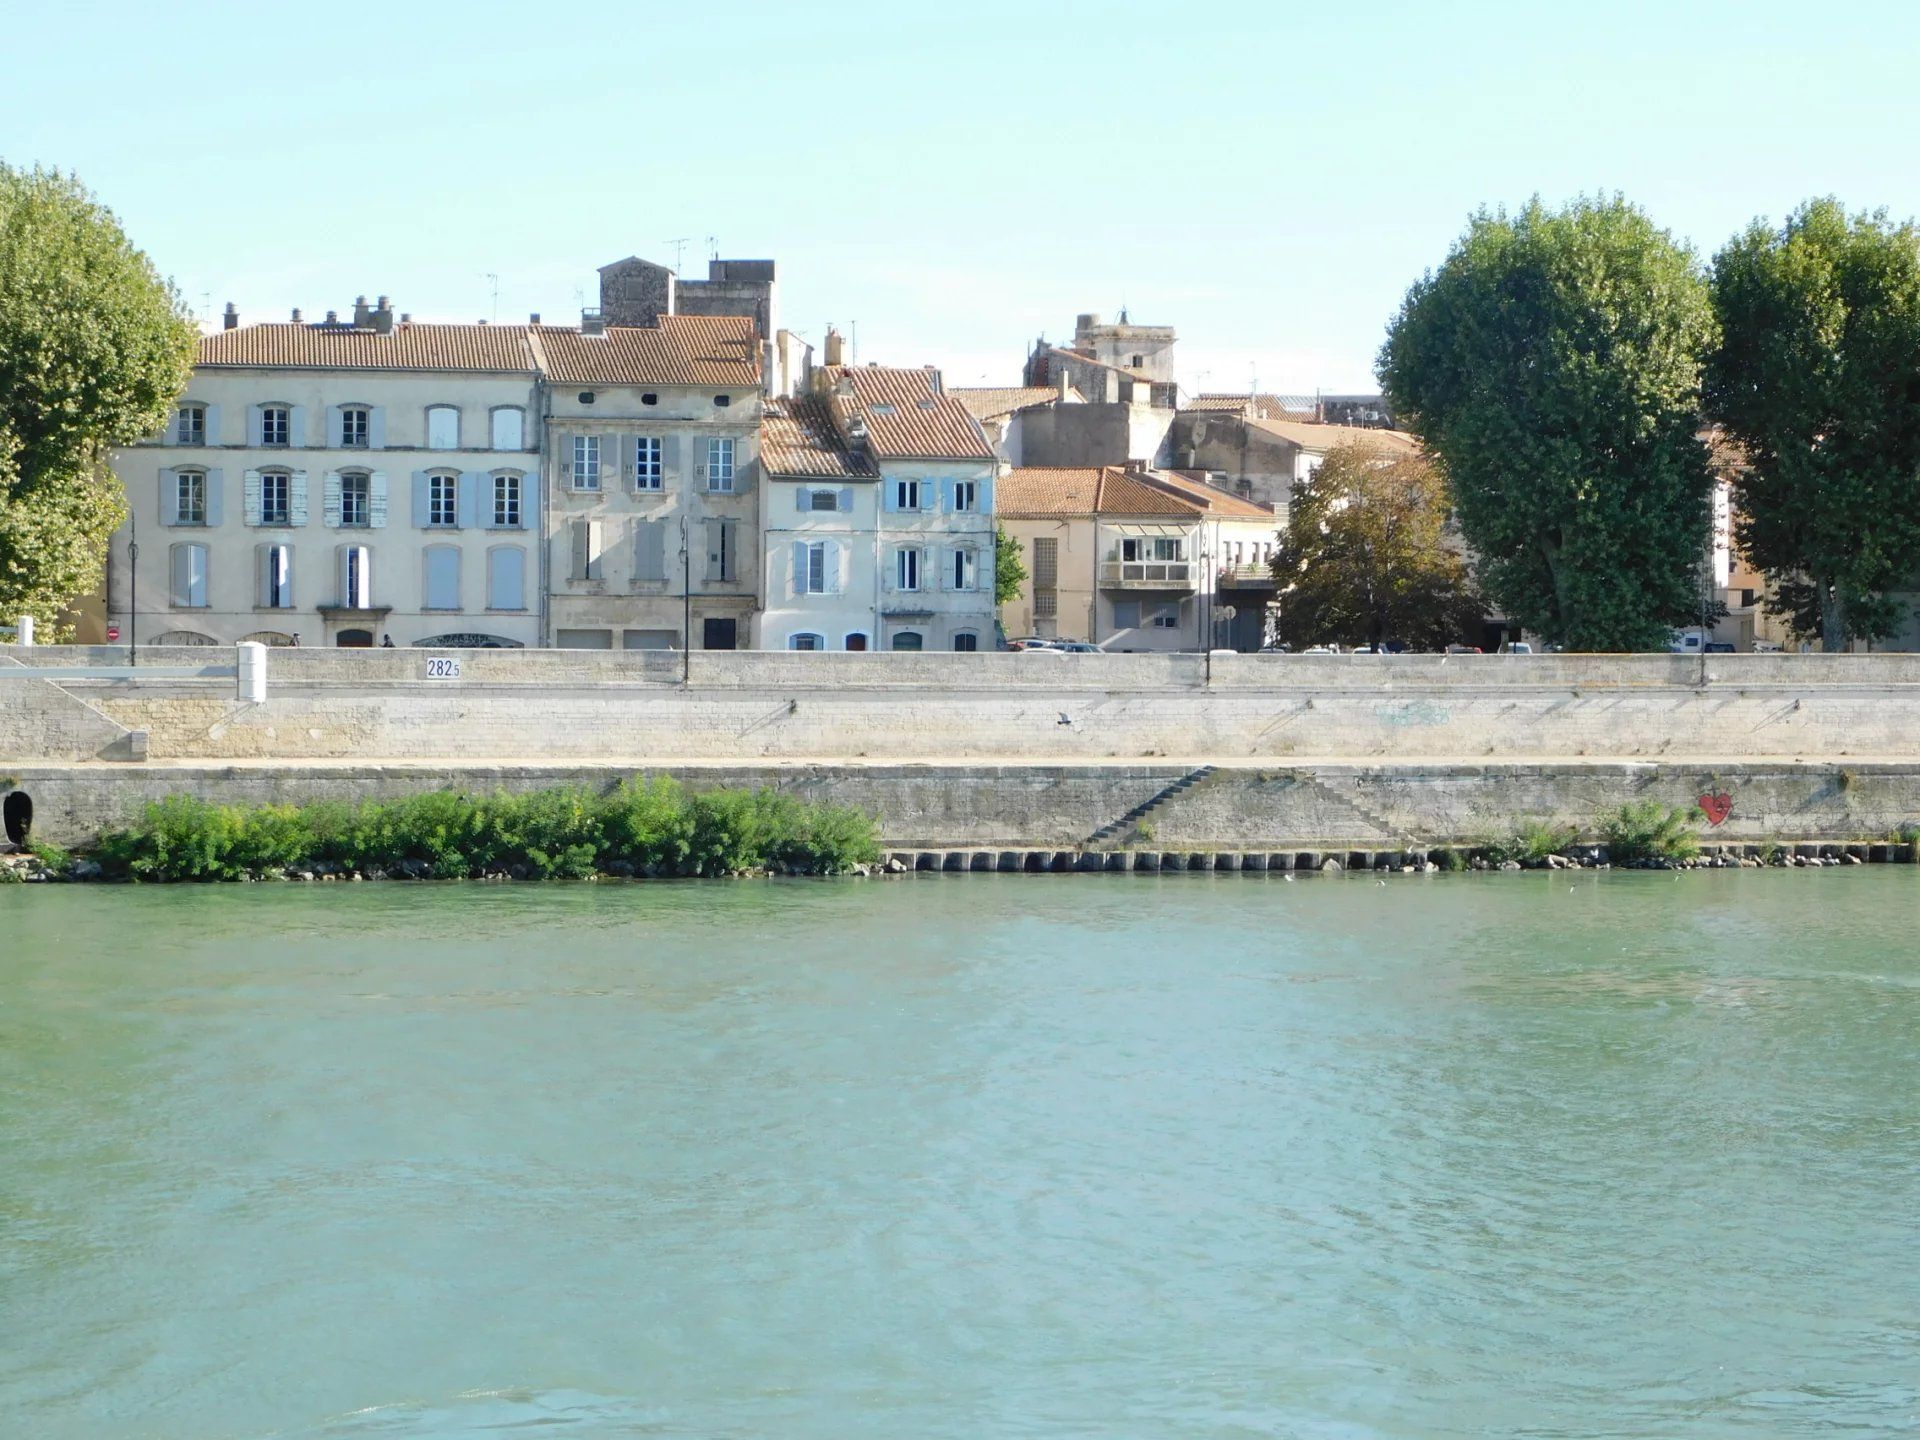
x=133, y=590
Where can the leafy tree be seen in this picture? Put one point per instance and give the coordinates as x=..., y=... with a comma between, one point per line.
x=1365, y=556
x=1009, y=570
x=1553, y=366
x=1817, y=379
x=94, y=347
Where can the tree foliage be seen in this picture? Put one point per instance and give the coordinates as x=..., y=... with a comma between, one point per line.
x=94, y=347
x=1009, y=570
x=1553, y=364
x=1817, y=378
x=1365, y=559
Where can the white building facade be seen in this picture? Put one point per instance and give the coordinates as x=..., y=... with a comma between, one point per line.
x=339, y=484
x=822, y=530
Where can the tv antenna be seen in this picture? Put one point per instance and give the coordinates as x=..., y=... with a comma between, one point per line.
x=496, y=294
x=679, y=244
x=713, y=248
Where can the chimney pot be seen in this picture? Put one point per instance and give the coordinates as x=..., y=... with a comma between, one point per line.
x=534, y=318
x=231, y=320
x=296, y=314
x=333, y=317
x=383, y=305
x=406, y=319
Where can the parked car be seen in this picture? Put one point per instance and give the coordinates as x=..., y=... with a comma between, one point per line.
x=1319, y=650
x=1465, y=650
x=1033, y=642
x=1078, y=647
x=1516, y=647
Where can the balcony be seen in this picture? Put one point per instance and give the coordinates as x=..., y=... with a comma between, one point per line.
x=1247, y=577
x=1147, y=575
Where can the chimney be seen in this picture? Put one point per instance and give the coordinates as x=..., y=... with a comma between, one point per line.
x=534, y=318
x=406, y=319
x=843, y=386
x=836, y=351
x=333, y=317
x=296, y=314
x=593, y=321
x=1065, y=386
x=382, y=317
x=230, y=320
x=361, y=314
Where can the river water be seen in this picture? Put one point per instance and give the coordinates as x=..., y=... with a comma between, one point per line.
x=981, y=1156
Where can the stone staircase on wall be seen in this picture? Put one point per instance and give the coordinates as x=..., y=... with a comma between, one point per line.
x=1118, y=831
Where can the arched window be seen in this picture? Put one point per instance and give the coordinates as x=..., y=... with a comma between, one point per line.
x=356, y=577
x=805, y=641
x=186, y=497
x=275, y=639
x=856, y=641
x=273, y=504
x=966, y=642
x=909, y=640
x=509, y=428
x=354, y=640
x=182, y=637
x=276, y=577
x=356, y=499
x=187, y=569
x=443, y=427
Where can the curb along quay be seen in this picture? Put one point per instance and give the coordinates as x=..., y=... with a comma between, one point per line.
x=1057, y=763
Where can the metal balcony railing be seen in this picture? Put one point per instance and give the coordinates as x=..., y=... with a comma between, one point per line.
x=1148, y=574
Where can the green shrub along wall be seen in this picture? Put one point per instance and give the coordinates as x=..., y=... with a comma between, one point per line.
x=642, y=827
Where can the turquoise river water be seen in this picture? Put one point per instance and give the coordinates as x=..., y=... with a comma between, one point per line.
x=964, y=1157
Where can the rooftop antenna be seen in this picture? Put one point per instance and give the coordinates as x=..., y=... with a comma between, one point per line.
x=853, y=342
x=713, y=248
x=679, y=244
x=206, y=304
x=496, y=294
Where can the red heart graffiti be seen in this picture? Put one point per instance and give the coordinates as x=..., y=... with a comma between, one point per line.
x=1716, y=806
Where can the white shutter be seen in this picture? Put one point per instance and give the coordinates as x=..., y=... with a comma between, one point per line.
x=330, y=500
x=252, y=498
x=376, y=500
x=297, y=498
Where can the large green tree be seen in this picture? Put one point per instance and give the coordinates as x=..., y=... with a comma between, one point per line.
x=94, y=347
x=1366, y=558
x=1817, y=378
x=1553, y=364
x=1009, y=570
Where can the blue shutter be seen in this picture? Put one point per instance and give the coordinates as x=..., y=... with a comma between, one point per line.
x=377, y=427
x=471, y=482
x=296, y=426
x=215, y=509
x=169, y=498
x=254, y=427
x=507, y=582
x=336, y=427
x=213, y=424
x=421, y=511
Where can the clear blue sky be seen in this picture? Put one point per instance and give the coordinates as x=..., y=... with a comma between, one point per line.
x=956, y=179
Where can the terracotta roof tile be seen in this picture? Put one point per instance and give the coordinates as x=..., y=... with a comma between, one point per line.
x=1258, y=407
x=1219, y=503
x=989, y=403
x=706, y=350
x=1094, y=490
x=907, y=414
x=410, y=347
x=1321, y=438
x=797, y=437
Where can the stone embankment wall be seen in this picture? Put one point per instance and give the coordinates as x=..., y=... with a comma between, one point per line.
x=985, y=750
x=547, y=706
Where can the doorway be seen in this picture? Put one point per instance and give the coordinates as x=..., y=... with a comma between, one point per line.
x=17, y=812
x=354, y=640
x=719, y=633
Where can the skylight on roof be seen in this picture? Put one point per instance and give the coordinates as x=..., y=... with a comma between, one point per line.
x=883, y=408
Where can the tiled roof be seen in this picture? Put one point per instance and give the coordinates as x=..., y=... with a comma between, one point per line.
x=716, y=350
x=1321, y=438
x=409, y=347
x=907, y=413
x=797, y=437
x=1219, y=503
x=1095, y=490
x=991, y=403
x=1259, y=407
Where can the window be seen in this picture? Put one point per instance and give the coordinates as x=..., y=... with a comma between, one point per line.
x=723, y=400
x=276, y=577
x=506, y=578
x=966, y=642
x=1138, y=361
x=722, y=548
x=1166, y=619
x=189, y=567
x=720, y=633
x=965, y=569
x=190, y=425
x=906, y=573
x=649, y=398
x=443, y=502
x=1046, y=563
x=810, y=574
x=908, y=640
x=273, y=425
x=1167, y=547
x=276, y=498
x=906, y=494
x=1046, y=604
x=354, y=426
x=856, y=641
x=355, y=497
x=819, y=499
x=720, y=466
x=509, y=428
x=966, y=496
x=806, y=642
x=443, y=577
x=506, y=502
x=356, y=577
x=588, y=558
x=190, y=497
x=646, y=462
x=586, y=462
x=443, y=427
x=1126, y=614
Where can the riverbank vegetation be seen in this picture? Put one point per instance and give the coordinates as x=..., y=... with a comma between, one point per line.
x=643, y=827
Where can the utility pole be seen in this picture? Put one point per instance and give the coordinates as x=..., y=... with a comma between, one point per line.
x=686, y=603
